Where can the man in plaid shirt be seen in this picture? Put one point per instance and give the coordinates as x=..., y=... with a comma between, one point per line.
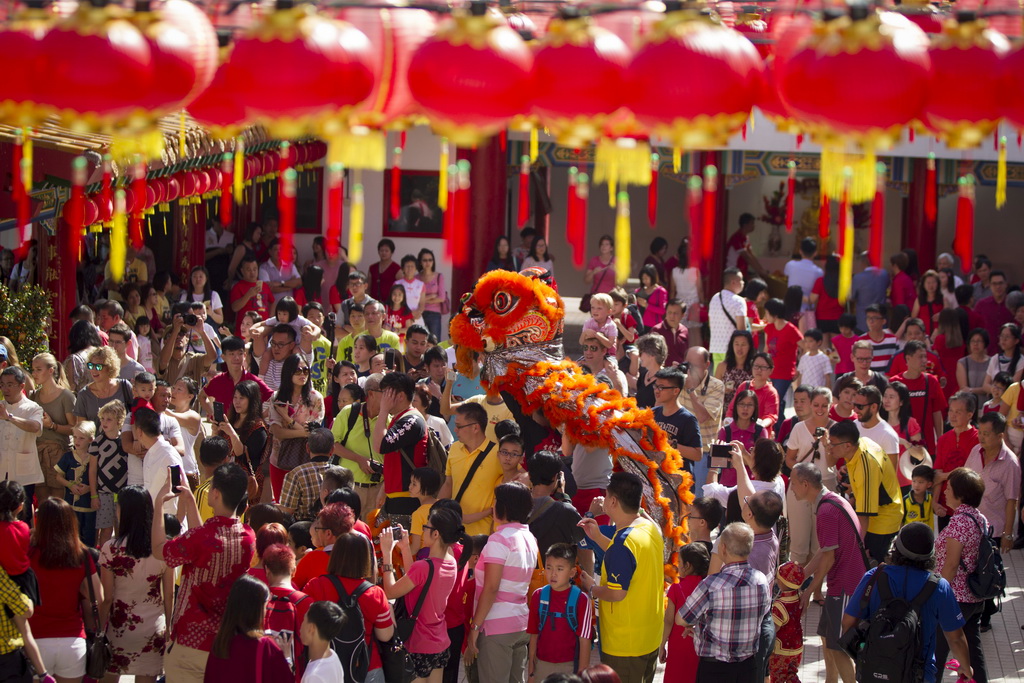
x=725, y=611
x=301, y=488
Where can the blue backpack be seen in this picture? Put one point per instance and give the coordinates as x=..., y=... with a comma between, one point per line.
x=569, y=614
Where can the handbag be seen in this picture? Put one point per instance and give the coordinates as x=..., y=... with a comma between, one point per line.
x=393, y=654
x=98, y=653
x=292, y=453
x=446, y=305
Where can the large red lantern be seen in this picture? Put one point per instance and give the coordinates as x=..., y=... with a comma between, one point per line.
x=92, y=66
x=694, y=81
x=578, y=78
x=217, y=109
x=472, y=76
x=823, y=84
x=771, y=104
x=965, y=97
x=296, y=70
x=1013, y=88
x=20, y=46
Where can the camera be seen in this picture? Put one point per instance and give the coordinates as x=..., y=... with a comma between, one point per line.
x=378, y=472
x=396, y=532
x=190, y=319
x=819, y=433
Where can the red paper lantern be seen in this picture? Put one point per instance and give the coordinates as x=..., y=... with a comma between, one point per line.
x=151, y=196
x=695, y=81
x=189, y=183
x=771, y=104
x=92, y=66
x=92, y=211
x=394, y=33
x=817, y=85
x=173, y=185
x=296, y=70
x=159, y=186
x=217, y=108
x=184, y=49
x=129, y=201
x=472, y=76
x=1013, y=88
x=755, y=29
x=578, y=78
x=20, y=46
x=965, y=96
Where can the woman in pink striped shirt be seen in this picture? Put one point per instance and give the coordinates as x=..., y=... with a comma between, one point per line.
x=498, y=637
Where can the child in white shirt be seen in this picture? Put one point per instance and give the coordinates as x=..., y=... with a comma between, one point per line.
x=322, y=623
x=814, y=368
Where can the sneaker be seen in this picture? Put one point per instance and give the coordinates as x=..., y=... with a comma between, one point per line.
x=985, y=628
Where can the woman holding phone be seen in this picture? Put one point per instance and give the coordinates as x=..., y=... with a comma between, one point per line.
x=248, y=434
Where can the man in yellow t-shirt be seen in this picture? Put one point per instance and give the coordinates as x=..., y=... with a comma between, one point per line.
x=353, y=448
x=631, y=586
x=477, y=497
x=877, y=498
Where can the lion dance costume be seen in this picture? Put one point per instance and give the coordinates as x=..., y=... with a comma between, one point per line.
x=789, y=633
x=510, y=331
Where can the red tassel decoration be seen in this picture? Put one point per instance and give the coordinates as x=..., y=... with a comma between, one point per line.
x=910, y=134
x=448, y=219
x=572, y=220
x=106, y=192
x=335, y=192
x=931, y=201
x=139, y=191
x=582, y=196
x=524, y=191
x=652, y=193
x=963, y=243
x=503, y=140
x=75, y=214
x=22, y=185
x=824, y=220
x=461, y=224
x=693, y=201
x=17, y=188
x=396, y=184
x=286, y=215
x=790, y=195
x=878, y=220
x=709, y=206
x=227, y=179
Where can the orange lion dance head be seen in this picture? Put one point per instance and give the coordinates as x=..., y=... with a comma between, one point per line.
x=505, y=310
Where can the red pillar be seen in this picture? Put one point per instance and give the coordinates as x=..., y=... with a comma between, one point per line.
x=487, y=197
x=918, y=232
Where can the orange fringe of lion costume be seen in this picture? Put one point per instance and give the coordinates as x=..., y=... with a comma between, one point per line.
x=513, y=323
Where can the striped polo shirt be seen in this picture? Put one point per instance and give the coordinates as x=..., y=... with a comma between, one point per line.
x=514, y=548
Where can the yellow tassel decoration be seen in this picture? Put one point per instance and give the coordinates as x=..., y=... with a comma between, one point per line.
x=846, y=235
x=861, y=184
x=238, y=179
x=1001, y=174
x=26, y=160
x=182, y=149
x=534, y=145
x=356, y=220
x=118, y=238
x=442, y=178
x=622, y=238
x=677, y=159
x=622, y=162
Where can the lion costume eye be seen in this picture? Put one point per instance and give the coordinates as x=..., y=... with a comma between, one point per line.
x=503, y=302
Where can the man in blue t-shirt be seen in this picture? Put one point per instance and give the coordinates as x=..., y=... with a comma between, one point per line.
x=680, y=425
x=912, y=562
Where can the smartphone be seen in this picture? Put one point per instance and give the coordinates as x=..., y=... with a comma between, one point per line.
x=286, y=640
x=175, y=477
x=218, y=412
x=721, y=456
x=396, y=532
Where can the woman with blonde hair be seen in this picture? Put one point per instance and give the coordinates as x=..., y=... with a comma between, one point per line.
x=103, y=367
x=54, y=396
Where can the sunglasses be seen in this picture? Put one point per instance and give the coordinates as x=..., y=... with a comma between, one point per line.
x=95, y=366
x=301, y=371
x=860, y=406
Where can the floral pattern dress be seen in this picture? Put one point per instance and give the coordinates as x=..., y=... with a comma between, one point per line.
x=137, y=625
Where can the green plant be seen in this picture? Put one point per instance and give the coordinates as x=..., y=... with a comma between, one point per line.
x=25, y=318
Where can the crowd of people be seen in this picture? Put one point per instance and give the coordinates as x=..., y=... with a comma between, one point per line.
x=299, y=485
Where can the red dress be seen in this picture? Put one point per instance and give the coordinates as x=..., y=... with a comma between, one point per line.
x=681, y=664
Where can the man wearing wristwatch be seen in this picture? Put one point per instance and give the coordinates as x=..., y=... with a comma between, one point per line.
x=704, y=396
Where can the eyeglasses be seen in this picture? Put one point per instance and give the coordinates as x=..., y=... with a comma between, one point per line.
x=510, y=454
x=842, y=443
x=427, y=526
x=302, y=371
x=662, y=387
x=95, y=366
x=458, y=426
x=874, y=318
x=861, y=359
x=280, y=345
x=761, y=367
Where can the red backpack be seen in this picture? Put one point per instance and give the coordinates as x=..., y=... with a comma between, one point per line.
x=282, y=615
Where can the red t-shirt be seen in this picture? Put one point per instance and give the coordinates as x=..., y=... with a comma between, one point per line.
x=903, y=291
x=260, y=303
x=373, y=604
x=843, y=346
x=241, y=662
x=396, y=320
x=926, y=397
x=59, y=614
x=839, y=418
x=557, y=642
x=335, y=298
x=222, y=388
x=827, y=308
x=933, y=366
x=949, y=357
x=951, y=452
x=314, y=563
x=380, y=282
x=737, y=243
x=782, y=346
x=14, y=538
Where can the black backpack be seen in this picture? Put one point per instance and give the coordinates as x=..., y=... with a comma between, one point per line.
x=891, y=648
x=988, y=580
x=350, y=645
